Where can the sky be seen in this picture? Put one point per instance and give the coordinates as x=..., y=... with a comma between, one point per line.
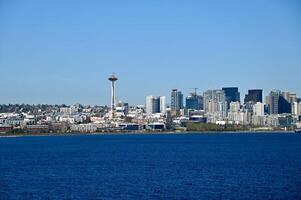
x=59, y=52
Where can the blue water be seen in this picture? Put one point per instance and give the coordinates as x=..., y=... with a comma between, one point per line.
x=196, y=166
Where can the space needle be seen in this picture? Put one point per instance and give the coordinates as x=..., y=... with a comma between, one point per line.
x=113, y=79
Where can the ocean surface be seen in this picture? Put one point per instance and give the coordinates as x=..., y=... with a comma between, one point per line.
x=175, y=166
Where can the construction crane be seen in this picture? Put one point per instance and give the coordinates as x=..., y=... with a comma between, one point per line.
x=195, y=90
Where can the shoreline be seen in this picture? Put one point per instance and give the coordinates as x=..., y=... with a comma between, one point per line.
x=4, y=135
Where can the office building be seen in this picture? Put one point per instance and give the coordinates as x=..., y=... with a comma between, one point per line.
x=290, y=97
x=253, y=96
x=232, y=95
x=277, y=104
x=194, y=102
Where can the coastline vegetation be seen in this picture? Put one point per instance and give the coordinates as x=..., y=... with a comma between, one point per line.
x=16, y=132
x=191, y=128
x=215, y=127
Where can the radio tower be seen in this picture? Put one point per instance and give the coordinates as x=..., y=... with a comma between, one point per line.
x=113, y=79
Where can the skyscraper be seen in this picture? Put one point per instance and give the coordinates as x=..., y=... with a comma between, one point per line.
x=253, y=96
x=284, y=106
x=296, y=108
x=194, y=102
x=155, y=104
x=290, y=97
x=176, y=101
x=215, y=102
x=272, y=101
x=162, y=104
x=232, y=95
x=277, y=104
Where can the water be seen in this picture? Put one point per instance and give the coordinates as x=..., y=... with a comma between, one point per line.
x=197, y=166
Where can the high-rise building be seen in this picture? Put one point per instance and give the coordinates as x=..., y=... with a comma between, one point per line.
x=284, y=106
x=277, y=104
x=296, y=108
x=238, y=115
x=194, y=102
x=215, y=102
x=272, y=101
x=232, y=95
x=234, y=106
x=258, y=109
x=162, y=104
x=176, y=103
x=152, y=105
x=155, y=104
x=253, y=96
x=290, y=97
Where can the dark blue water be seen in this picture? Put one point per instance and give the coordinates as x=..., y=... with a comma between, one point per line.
x=204, y=166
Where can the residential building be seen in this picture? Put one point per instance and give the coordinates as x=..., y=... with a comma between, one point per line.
x=155, y=105
x=176, y=103
x=215, y=103
x=258, y=109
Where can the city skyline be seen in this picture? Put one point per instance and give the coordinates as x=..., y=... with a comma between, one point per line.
x=197, y=99
x=56, y=55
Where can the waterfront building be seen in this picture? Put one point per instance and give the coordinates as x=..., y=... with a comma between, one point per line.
x=258, y=120
x=272, y=121
x=156, y=126
x=198, y=119
x=242, y=117
x=286, y=120
x=85, y=128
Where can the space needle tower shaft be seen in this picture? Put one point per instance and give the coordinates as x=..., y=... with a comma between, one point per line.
x=113, y=79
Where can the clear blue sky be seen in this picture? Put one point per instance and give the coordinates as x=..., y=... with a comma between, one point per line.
x=63, y=51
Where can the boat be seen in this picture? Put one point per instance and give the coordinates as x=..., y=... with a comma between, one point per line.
x=298, y=130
